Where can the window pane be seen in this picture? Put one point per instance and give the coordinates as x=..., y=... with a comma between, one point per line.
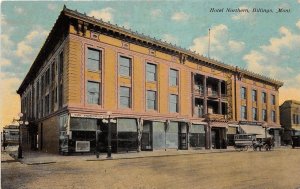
x=93, y=89
x=94, y=59
x=173, y=103
x=125, y=97
x=151, y=100
x=151, y=72
x=173, y=77
x=124, y=66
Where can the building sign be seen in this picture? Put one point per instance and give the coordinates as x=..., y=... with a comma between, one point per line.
x=250, y=123
x=229, y=96
x=86, y=116
x=82, y=146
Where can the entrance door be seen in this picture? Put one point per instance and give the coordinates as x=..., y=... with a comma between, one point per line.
x=146, y=143
x=215, y=135
x=182, y=136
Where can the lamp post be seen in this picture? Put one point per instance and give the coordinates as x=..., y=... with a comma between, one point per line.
x=21, y=122
x=109, y=121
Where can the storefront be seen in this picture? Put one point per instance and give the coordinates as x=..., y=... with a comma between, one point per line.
x=197, y=136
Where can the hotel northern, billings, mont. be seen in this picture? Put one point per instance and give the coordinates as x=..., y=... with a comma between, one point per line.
x=155, y=95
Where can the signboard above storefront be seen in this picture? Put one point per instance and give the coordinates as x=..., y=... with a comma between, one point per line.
x=86, y=116
x=251, y=123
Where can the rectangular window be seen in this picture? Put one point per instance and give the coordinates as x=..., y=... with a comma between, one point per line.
x=151, y=72
x=47, y=77
x=60, y=98
x=61, y=63
x=243, y=112
x=173, y=77
x=173, y=103
x=124, y=66
x=273, y=99
x=254, y=114
x=298, y=119
x=93, y=59
x=244, y=93
x=93, y=92
x=294, y=118
x=52, y=100
x=264, y=115
x=125, y=101
x=151, y=100
x=273, y=116
x=264, y=97
x=47, y=105
x=254, y=95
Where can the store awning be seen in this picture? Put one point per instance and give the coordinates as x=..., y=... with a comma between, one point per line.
x=259, y=131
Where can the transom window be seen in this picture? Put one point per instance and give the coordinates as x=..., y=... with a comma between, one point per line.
x=173, y=79
x=151, y=72
x=125, y=100
x=124, y=66
x=93, y=59
x=93, y=92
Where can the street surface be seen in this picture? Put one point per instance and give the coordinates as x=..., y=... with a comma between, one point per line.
x=276, y=169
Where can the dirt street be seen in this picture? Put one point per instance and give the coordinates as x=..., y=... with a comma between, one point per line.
x=275, y=169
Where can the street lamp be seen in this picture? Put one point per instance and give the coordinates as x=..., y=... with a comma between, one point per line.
x=109, y=121
x=20, y=119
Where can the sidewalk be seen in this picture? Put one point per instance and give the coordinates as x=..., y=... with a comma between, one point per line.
x=37, y=157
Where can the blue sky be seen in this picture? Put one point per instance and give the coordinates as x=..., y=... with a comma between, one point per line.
x=266, y=43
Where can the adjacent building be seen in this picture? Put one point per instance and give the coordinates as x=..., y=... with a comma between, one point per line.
x=90, y=74
x=290, y=119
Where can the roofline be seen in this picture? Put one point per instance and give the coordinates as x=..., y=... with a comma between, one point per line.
x=193, y=55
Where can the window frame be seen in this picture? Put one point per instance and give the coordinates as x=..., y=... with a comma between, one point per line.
x=155, y=100
x=254, y=95
x=130, y=65
x=154, y=73
x=255, y=114
x=99, y=61
x=176, y=78
x=88, y=92
x=244, y=89
x=244, y=113
x=123, y=96
x=177, y=103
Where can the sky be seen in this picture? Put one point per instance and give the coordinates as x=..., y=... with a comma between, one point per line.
x=264, y=42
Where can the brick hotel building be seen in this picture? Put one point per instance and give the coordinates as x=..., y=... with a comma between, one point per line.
x=161, y=96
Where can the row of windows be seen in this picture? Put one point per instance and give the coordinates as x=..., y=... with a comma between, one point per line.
x=93, y=97
x=254, y=96
x=125, y=67
x=255, y=114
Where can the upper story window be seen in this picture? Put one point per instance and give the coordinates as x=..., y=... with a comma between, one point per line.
x=151, y=100
x=125, y=97
x=61, y=63
x=264, y=97
x=243, y=93
x=124, y=66
x=254, y=95
x=264, y=115
x=93, y=92
x=243, y=112
x=151, y=72
x=173, y=103
x=173, y=77
x=273, y=99
x=254, y=114
x=273, y=115
x=296, y=119
x=47, y=75
x=93, y=60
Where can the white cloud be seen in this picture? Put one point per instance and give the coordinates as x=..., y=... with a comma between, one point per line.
x=6, y=49
x=18, y=10
x=105, y=14
x=220, y=43
x=28, y=48
x=52, y=6
x=156, y=12
x=298, y=1
x=236, y=46
x=180, y=16
x=298, y=23
x=271, y=60
x=170, y=38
